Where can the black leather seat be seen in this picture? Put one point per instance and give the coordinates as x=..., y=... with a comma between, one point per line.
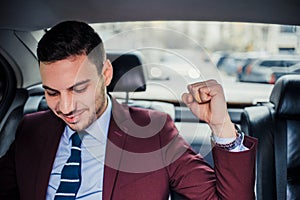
x=11, y=120
x=129, y=75
x=276, y=124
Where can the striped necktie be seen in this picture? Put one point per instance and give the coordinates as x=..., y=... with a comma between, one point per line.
x=71, y=172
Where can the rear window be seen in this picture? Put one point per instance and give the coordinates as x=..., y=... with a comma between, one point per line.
x=176, y=53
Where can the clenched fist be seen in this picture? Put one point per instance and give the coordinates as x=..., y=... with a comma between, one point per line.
x=206, y=100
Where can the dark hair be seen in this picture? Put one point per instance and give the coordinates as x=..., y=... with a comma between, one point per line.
x=71, y=38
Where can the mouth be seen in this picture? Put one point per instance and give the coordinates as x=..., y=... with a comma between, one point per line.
x=73, y=118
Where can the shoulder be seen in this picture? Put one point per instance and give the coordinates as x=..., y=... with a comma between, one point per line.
x=41, y=118
x=140, y=116
x=145, y=115
x=47, y=114
x=145, y=123
x=40, y=122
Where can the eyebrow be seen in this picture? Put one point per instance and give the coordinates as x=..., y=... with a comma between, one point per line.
x=70, y=88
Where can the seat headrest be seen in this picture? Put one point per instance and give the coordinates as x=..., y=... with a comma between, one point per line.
x=128, y=74
x=286, y=96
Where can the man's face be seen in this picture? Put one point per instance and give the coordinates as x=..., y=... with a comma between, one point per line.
x=75, y=91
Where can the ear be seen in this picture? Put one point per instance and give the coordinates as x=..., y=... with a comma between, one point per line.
x=107, y=72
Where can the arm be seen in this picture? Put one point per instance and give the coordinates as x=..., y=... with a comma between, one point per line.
x=234, y=174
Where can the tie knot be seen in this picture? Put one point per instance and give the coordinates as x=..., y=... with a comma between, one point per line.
x=76, y=141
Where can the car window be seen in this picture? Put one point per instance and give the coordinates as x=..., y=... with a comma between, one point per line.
x=177, y=53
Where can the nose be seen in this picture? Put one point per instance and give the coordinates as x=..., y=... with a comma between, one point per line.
x=66, y=104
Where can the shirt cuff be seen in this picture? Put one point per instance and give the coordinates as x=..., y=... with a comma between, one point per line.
x=234, y=144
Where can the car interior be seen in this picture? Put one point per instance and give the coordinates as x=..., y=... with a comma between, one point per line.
x=274, y=121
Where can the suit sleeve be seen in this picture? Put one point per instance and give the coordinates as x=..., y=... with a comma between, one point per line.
x=235, y=171
x=8, y=180
x=192, y=177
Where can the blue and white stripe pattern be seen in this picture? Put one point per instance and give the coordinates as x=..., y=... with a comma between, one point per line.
x=71, y=173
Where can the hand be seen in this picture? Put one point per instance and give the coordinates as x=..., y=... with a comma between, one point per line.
x=206, y=100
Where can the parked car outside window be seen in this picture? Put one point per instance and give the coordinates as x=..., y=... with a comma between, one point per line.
x=268, y=70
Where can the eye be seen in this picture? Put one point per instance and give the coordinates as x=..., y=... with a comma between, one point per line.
x=80, y=88
x=51, y=93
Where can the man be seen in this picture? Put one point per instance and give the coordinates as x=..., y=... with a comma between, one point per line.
x=123, y=152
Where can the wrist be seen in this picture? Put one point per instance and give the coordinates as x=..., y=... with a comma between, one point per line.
x=224, y=130
x=236, y=141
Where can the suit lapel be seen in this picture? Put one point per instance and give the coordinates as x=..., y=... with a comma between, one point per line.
x=50, y=138
x=114, y=148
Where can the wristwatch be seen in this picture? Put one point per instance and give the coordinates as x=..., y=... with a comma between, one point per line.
x=232, y=145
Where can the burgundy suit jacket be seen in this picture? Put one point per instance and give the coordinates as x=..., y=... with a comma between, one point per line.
x=145, y=159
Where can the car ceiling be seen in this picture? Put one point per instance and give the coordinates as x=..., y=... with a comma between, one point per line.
x=37, y=14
